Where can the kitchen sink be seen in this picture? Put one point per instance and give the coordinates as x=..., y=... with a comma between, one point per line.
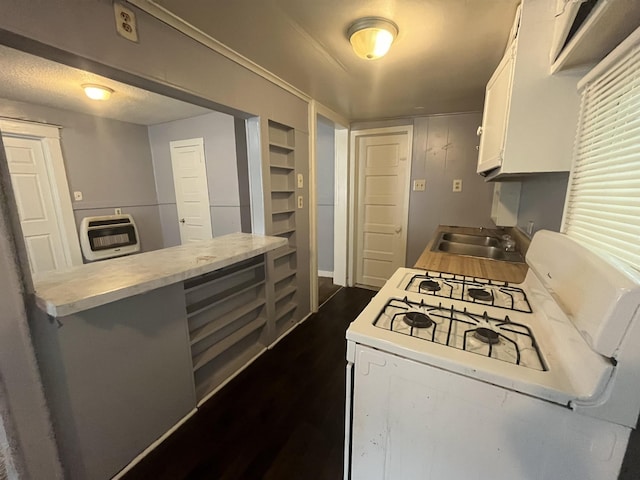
x=471, y=239
x=474, y=246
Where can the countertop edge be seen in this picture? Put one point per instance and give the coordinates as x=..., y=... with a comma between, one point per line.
x=61, y=309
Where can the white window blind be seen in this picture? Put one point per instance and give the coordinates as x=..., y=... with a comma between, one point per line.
x=603, y=198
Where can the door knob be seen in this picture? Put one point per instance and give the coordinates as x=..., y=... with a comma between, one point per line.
x=182, y=220
x=398, y=229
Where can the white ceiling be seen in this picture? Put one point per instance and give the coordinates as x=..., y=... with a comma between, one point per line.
x=441, y=61
x=27, y=78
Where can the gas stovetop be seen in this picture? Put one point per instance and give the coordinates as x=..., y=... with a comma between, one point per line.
x=467, y=289
x=470, y=329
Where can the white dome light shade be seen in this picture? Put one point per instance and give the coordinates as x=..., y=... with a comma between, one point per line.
x=371, y=37
x=97, y=92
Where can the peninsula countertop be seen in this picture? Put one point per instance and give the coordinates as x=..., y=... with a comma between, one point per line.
x=473, y=266
x=79, y=288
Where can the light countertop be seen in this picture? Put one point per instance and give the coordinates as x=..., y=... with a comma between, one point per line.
x=473, y=266
x=73, y=290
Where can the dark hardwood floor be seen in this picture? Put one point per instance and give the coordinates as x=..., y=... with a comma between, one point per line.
x=326, y=289
x=282, y=418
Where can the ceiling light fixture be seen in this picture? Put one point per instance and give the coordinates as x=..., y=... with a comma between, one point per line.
x=371, y=37
x=97, y=92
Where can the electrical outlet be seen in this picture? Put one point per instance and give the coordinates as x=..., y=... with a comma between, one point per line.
x=457, y=185
x=77, y=196
x=118, y=211
x=419, y=185
x=125, y=22
x=300, y=181
x=300, y=201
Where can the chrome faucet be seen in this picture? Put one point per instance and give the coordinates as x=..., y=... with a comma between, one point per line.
x=508, y=243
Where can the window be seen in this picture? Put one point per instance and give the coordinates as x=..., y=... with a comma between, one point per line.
x=603, y=198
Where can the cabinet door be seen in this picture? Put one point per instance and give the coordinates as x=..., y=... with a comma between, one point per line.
x=496, y=111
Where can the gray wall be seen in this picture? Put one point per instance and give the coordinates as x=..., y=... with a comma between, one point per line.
x=108, y=161
x=325, y=179
x=444, y=149
x=217, y=129
x=542, y=201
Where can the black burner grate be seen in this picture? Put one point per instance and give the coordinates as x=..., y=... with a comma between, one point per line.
x=470, y=289
x=439, y=324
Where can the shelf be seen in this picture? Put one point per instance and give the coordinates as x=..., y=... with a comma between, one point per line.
x=282, y=212
x=282, y=167
x=286, y=291
x=206, y=382
x=281, y=146
x=282, y=277
x=219, y=323
x=202, y=282
x=284, y=232
x=214, y=351
x=282, y=191
x=288, y=308
x=281, y=135
x=220, y=298
x=285, y=252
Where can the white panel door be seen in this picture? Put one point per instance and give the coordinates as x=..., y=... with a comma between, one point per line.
x=192, y=192
x=383, y=205
x=32, y=190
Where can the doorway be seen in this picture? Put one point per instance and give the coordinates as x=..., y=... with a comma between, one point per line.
x=40, y=188
x=382, y=163
x=330, y=202
x=192, y=192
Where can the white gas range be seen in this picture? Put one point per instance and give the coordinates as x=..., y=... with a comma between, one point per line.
x=451, y=377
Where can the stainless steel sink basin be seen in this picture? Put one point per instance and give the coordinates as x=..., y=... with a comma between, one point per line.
x=471, y=239
x=474, y=246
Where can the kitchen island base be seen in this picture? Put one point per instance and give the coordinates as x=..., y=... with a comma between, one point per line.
x=116, y=377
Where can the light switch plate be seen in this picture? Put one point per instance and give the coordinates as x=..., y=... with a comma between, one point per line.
x=419, y=185
x=300, y=181
x=300, y=201
x=457, y=185
x=118, y=211
x=77, y=196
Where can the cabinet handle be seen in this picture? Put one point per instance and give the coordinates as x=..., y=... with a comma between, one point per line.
x=479, y=131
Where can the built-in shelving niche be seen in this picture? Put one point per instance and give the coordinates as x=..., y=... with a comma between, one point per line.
x=227, y=317
x=282, y=176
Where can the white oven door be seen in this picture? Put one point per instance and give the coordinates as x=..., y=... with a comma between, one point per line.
x=413, y=421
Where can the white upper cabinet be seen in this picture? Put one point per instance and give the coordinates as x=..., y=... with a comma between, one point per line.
x=496, y=111
x=530, y=116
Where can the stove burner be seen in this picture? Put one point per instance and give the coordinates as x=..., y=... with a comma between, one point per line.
x=486, y=335
x=417, y=319
x=430, y=286
x=480, y=294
